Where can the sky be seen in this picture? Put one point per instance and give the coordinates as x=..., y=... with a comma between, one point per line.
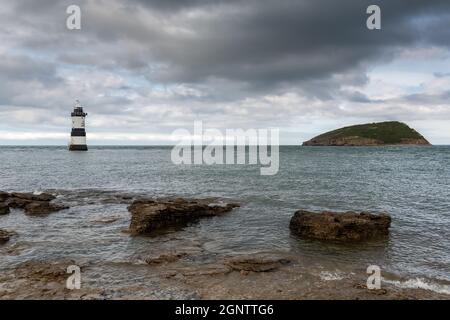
x=143, y=69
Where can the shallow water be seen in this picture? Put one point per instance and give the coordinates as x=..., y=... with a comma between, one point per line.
x=412, y=184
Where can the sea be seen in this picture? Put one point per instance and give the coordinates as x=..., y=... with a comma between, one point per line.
x=410, y=183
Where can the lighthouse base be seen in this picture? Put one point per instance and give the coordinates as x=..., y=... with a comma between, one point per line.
x=78, y=147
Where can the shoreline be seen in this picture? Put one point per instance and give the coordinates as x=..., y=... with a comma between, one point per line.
x=183, y=280
x=172, y=267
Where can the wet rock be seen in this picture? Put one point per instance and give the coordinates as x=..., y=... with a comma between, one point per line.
x=45, y=271
x=165, y=258
x=30, y=202
x=18, y=203
x=32, y=196
x=3, y=196
x=205, y=270
x=4, y=209
x=347, y=226
x=36, y=203
x=156, y=214
x=5, y=235
x=378, y=292
x=17, y=249
x=244, y=264
x=42, y=207
x=106, y=220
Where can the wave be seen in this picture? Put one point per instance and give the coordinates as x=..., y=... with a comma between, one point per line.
x=331, y=276
x=420, y=283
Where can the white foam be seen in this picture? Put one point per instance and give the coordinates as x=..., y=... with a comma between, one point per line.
x=330, y=276
x=420, y=283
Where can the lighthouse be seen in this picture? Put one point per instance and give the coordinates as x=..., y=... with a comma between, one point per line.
x=78, y=134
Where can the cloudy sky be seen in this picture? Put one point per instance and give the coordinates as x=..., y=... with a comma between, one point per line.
x=145, y=68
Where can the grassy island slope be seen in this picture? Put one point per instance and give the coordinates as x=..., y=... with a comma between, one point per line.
x=381, y=133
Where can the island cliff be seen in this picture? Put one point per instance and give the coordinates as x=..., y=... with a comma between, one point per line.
x=371, y=134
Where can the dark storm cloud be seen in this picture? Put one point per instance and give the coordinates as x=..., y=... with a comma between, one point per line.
x=167, y=60
x=264, y=43
x=272, y=42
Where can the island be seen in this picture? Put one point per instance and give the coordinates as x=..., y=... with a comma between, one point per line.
x=370, y=134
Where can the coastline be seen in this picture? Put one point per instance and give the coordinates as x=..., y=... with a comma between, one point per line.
x=184, y=279
x=171, y=267
x=90, y=231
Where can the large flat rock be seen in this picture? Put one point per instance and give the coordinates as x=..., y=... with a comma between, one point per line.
x=148, y=215
x=256, y=263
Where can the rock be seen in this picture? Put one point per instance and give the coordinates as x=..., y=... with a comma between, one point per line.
x=4, y=209
x=3, y=196
x=106, y=220
x=257, y=263
x=5, y=235
x=42, y=207
x=151, y=215
x=165, y=258
x=33, y=197
x=21, y=200
x=31, y=203
x=18, y=203
x=378, y=292
x=17, y=249
x=347, y=226
x=205, y=270
x=47, y=271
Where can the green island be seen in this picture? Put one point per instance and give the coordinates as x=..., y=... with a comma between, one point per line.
x=370, y=134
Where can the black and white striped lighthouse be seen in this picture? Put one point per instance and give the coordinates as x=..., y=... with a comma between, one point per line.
x=78, y=134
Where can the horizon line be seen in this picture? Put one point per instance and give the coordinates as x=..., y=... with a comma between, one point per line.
x=172, y=145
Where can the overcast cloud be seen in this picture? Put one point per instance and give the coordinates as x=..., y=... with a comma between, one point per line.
x=146, y=68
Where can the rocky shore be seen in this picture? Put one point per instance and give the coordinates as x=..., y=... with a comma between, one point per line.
x=268, y=275
x=173, y=268
x=32, y=204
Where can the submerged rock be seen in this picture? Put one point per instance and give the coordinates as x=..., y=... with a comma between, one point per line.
x=256, y=263
x=151, y=215
x=18, y=203
x=106, y=220
x=5, y=235
x=33, y=197
x=31, y=203
x=47, y=271
x=165, y=258
x=347, y=226
x=4, y=209
x=42, y=207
